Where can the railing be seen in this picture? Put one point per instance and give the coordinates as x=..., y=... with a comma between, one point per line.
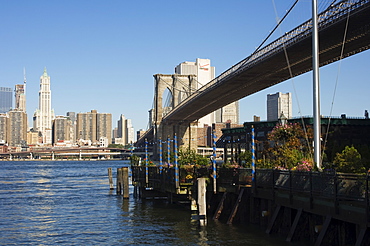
x=342, y=186
x=338, y=186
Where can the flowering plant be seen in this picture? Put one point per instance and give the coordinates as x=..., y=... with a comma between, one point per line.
x=303, y=166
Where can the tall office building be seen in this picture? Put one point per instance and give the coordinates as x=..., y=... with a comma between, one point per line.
x=44, y=115
x=6, y=102
x=278, y=104
x=205, y=73
x=93, y=126
x=17, y=128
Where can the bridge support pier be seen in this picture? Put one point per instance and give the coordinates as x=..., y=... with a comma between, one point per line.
x=186, y=134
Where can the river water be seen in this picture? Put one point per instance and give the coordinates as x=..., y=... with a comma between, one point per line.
x=70, y=203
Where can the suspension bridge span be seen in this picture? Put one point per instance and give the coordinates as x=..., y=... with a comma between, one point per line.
x=345, y=24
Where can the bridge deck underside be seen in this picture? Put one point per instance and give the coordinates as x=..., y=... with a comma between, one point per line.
x=274, y=68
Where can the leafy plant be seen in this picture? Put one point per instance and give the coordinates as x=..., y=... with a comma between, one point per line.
x=290, y=145
x=349, y=161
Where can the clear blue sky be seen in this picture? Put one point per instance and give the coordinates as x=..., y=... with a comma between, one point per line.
x=103, y=54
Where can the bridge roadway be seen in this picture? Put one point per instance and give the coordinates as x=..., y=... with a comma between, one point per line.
x=268, y=66
x=60, y=152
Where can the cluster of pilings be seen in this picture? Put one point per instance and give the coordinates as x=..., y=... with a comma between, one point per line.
x=122, y=181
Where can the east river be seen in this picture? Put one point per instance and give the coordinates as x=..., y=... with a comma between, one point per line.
x=69, y=203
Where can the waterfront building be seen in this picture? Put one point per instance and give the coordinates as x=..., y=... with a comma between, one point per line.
x=3, y=126
x=86, y=126
x=72, y=117
x=93, y=125
x=279, y=104
x=44, y=115
x=205, y=73
x=104, y=126
x=61, y=129
x=6, y=102
x=17, y=128
x=342, y=131
x=103, y=142
x=33, y=138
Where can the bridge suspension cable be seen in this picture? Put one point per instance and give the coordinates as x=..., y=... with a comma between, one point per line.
x=336, y=82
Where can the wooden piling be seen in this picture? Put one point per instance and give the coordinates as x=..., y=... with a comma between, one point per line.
x=218, y=212
x=125, y=184
x=235, y=209
x=202, y=206
x=110, y=178
x=119, y=181
x=122, y=182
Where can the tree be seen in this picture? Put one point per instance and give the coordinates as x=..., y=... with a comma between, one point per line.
x=349, y=161
x=246, y=158
x=118, y=146
x=290, y=145
x=190, y=157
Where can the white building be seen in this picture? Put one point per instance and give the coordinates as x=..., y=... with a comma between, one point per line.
x=277, y=104
x=103, y=142
x=205, y=73
x=130, y=132
x=44, y=115
x=125, y=131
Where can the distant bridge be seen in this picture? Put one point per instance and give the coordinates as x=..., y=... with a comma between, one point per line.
x=71, y=153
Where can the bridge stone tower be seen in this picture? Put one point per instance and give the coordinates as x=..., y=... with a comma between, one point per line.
x=179, y=88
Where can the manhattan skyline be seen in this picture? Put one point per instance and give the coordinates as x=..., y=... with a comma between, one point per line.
x=103, y=55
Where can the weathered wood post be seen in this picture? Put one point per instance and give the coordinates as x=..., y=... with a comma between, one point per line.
x=119, y=181
x=125, y=182
x=202, y=206
x=110, y=178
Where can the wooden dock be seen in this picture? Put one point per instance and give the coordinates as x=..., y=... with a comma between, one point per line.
x=325, y=208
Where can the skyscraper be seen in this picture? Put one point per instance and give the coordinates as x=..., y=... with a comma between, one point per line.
x=44, y=115
x=6, y=102
x=20, y=95
x=277, y=104
x=205, y=73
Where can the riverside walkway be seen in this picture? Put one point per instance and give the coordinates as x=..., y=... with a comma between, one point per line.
x=326, y=207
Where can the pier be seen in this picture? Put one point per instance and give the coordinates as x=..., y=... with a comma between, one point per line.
x=326, y=208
